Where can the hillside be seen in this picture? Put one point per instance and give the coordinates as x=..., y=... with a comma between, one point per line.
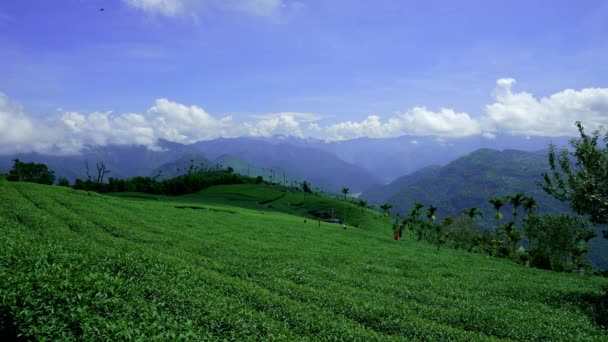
x=79, y=265
x=470, y=181
x=323, y=169
x=269, y=198
x=390, y=158
x=473, y=179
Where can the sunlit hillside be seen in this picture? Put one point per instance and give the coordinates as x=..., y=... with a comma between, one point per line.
x=80, y=265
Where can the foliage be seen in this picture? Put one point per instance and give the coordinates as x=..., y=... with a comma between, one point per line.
x=583, y=185
x=559, y=239
x=63, y=182
x=516, y=201
x=188, y=183
x=385, y=208
x=306, y=187
x=498, y=203
x=345, y=192
x=461, y=233
x=30, y=172
x=472, y=212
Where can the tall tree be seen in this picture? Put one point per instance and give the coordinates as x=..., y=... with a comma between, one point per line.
x=497, y=203
x=430, y=212
x=385, y=208
x=307, y=191
x=583, y=185
x=530, y=205
x=472, y=212
x=516, y=201
x=345, y=192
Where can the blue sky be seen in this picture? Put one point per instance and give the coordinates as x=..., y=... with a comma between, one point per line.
x=332, y=69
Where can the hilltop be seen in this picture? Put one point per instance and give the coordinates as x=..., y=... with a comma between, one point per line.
x=80, y=265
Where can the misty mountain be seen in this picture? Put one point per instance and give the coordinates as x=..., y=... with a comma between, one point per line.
x=281, y=162
x=390, y=158
x=124, y=161
x=323, y=169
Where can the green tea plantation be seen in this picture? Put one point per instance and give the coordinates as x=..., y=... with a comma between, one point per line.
x=223, y=265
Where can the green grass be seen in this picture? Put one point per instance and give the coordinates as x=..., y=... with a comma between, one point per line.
x=269, y=198
x=78, y=265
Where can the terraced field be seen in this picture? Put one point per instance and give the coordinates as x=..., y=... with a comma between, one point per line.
x=78, y=265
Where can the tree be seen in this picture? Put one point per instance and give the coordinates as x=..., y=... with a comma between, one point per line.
x=430, y=213
x=307, y=190
x=385, y=208
x=497, y=203
x=460, y=231
x=553, y=238
x=516, y=201
x=472, y=212
x=414, y=222
x=530, y=205
x=63, y=182
x=345, y=192
x=101, y=171
x=583, y=185
x=30, y=172
x=512, y=236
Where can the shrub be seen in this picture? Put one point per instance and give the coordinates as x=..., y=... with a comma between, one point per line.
x=31, y=172
x=63, y=182
x=461, y=233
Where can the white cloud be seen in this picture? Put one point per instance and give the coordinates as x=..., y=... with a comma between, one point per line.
x=279, y=123
x=164, y=7
x=187, y=124
x=418, y=121
x=523, y=114
x=19, y=133
x=254, y=7
x=171, y=8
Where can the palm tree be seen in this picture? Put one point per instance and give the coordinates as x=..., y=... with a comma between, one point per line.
x=345, y=191
x=497, y=203
x=530, y=205
x=430, y=212
x=385, y=207
x=516, y=201
x=472, y=212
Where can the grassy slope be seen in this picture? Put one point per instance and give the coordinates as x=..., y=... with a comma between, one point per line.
x=78, y=264
x=266, y=198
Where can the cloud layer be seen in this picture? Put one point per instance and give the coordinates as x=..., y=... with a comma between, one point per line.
x=523, y=114
x=172, y=8
x=513, y=113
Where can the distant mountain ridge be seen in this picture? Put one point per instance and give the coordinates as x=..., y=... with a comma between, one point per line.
x=469, y=181
x=261, y=157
